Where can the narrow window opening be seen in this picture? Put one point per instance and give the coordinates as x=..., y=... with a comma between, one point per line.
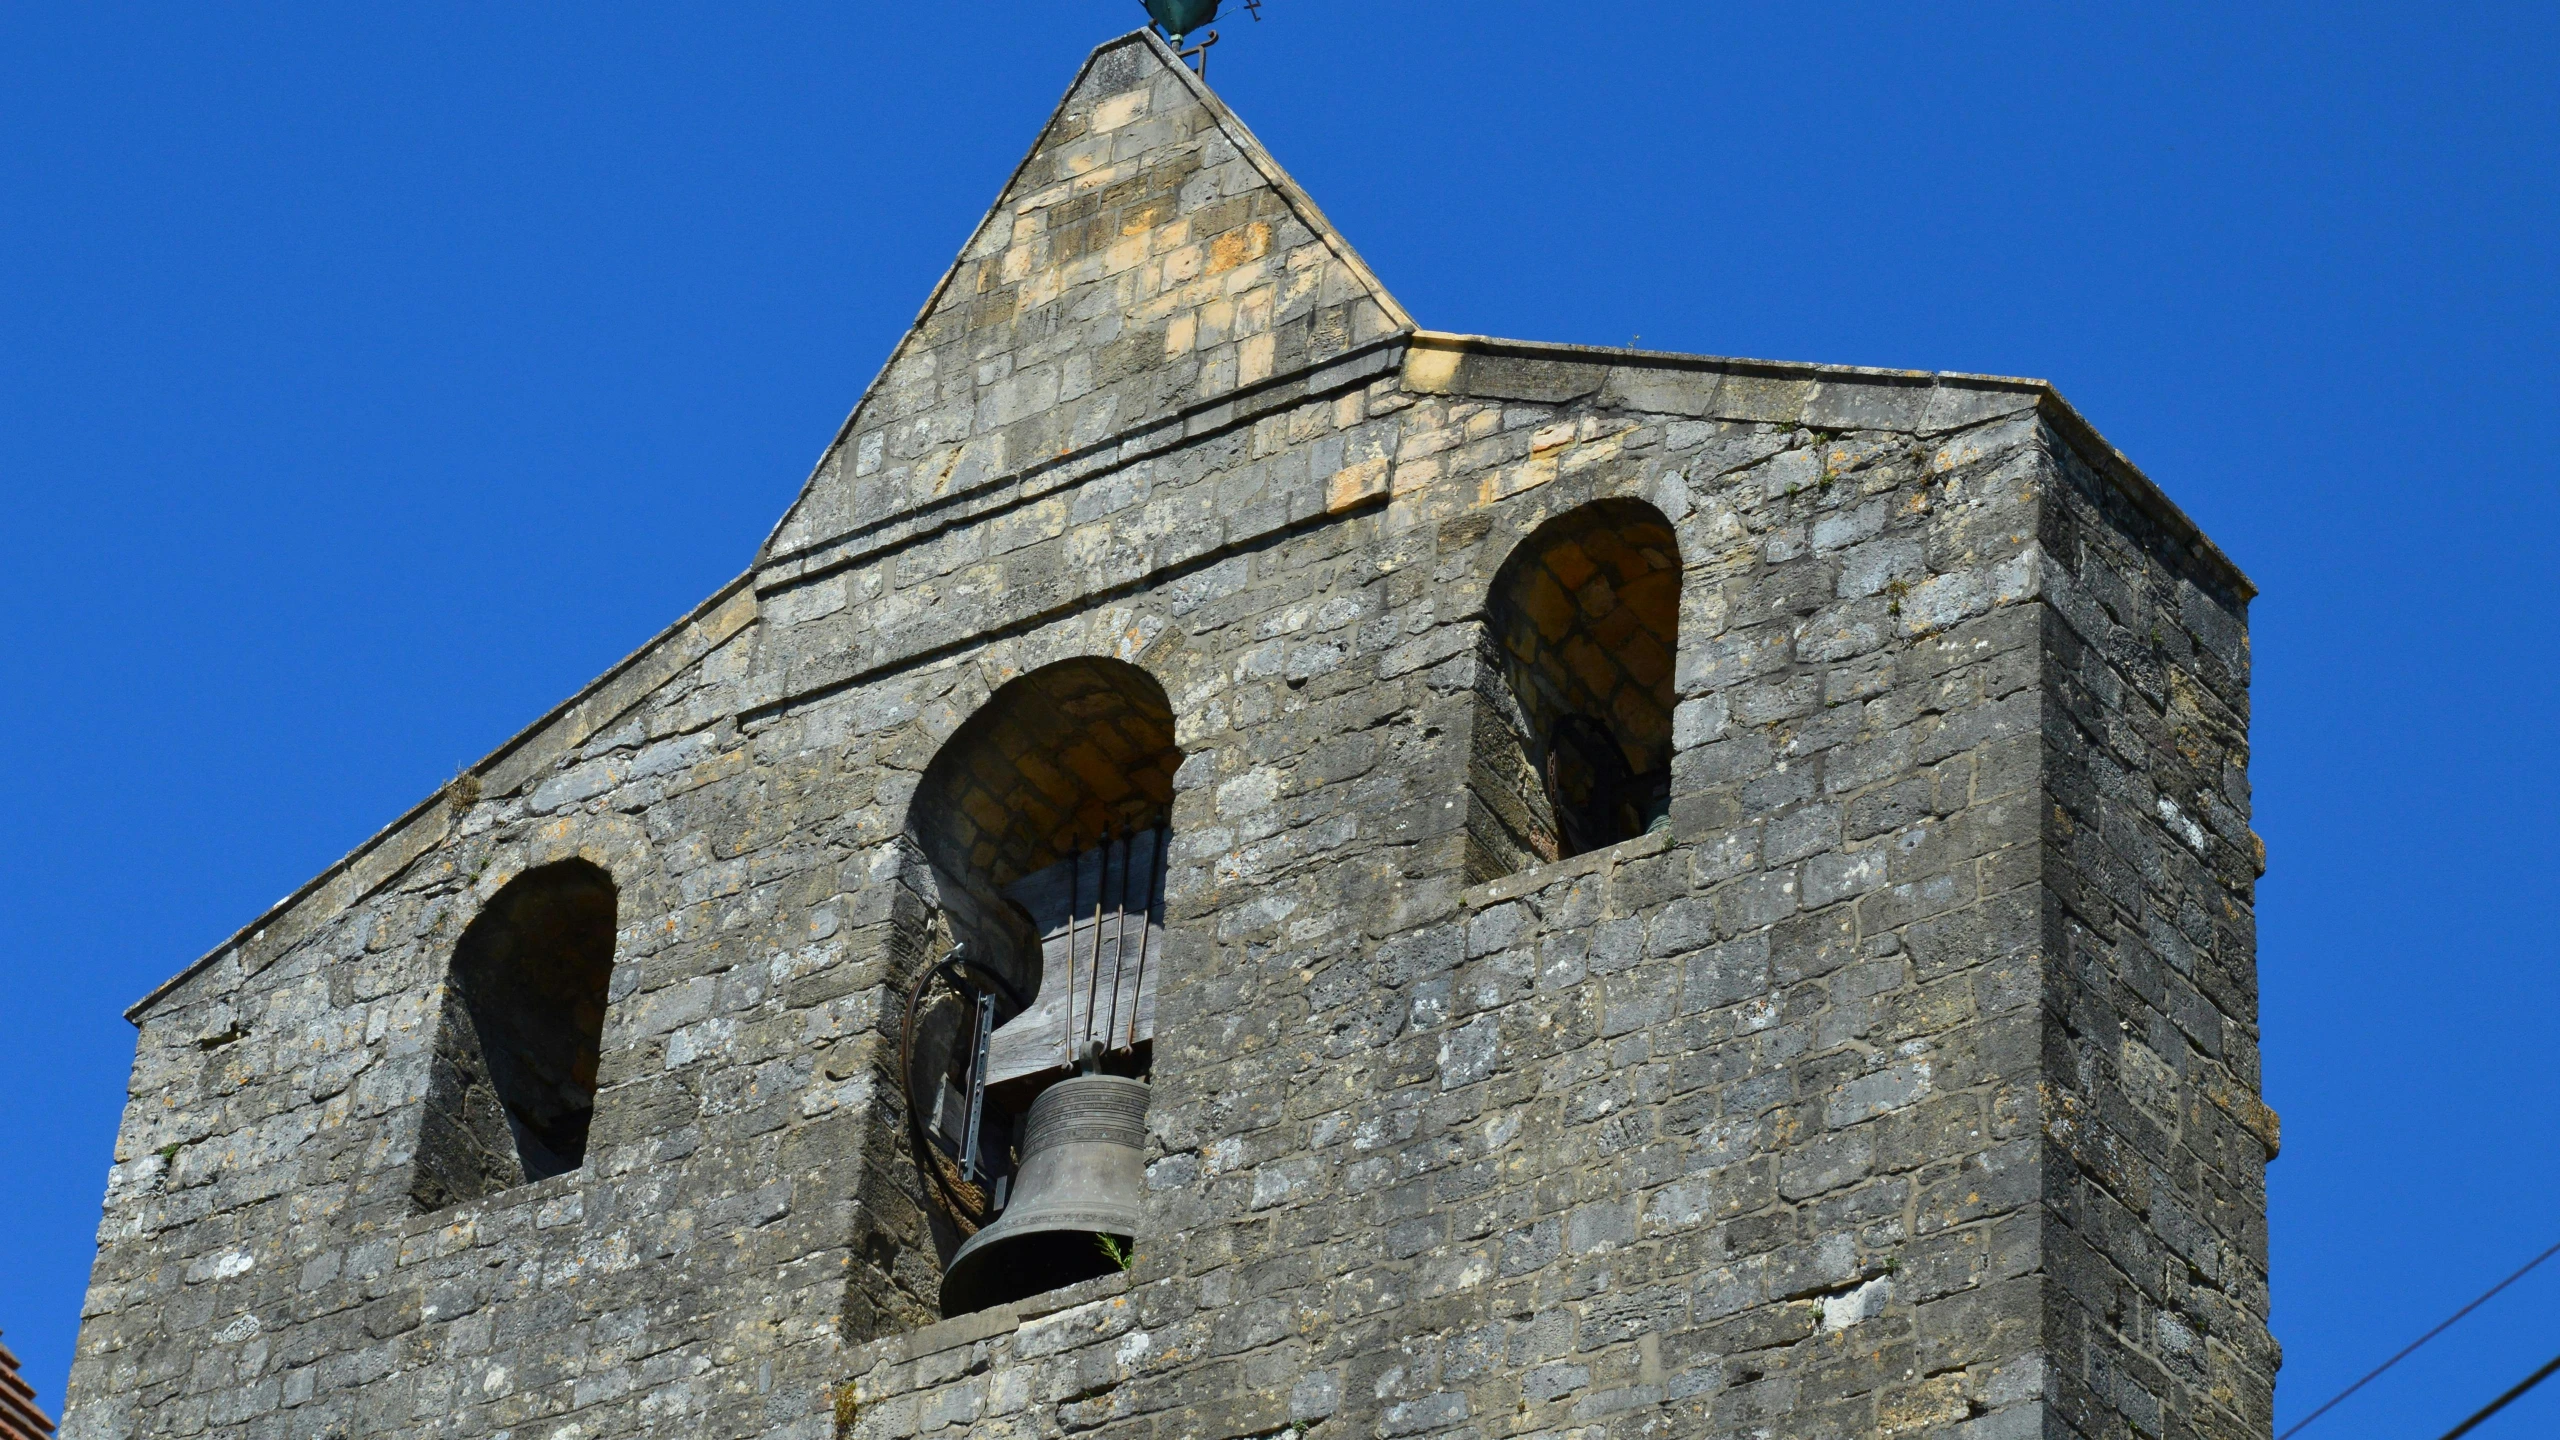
x=1572, y=743
x=511, y=1086
x=1044, y=825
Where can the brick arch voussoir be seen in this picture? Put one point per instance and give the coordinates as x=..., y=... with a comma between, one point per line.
x=1522, y=517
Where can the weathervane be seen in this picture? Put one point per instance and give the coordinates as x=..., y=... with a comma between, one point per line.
x=1178, y=18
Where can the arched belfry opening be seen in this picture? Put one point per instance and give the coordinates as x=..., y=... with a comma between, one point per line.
x=1572, y=742
x=511, y=1086
x=1042, y=826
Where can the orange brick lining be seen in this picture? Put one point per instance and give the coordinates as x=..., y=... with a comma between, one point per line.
x=1587, y=612
x=1054, y=761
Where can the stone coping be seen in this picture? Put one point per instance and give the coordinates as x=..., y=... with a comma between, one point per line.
x=382, y=856
x=1848, y=397
x=1539, y=877
x=460, y=1223
x=961, y=1330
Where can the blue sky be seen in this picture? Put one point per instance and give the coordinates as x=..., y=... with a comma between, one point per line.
x=371, y=377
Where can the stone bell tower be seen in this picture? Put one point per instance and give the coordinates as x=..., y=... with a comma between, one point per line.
x=1621, y=894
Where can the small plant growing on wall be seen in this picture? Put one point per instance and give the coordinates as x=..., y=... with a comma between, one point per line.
x=1121, y=1253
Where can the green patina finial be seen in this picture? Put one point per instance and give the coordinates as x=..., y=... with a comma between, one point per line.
x=1177, y=18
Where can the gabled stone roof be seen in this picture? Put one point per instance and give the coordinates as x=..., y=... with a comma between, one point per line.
x=1147, y=276
x=1148, y=257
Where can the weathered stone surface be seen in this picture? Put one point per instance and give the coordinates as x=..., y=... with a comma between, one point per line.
x=1905, y=1083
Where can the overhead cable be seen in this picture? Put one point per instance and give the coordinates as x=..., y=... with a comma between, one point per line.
x=2494, y=1406
x=2413, y=1345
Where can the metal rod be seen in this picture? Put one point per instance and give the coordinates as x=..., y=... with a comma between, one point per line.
x=1093, y=977
x=1201, y=50
x=1067, y=1023
x=1130, y=881
x=954, y=1203
x=1131, y=1036
x=1157, y=853
x=1119, y=937
x=978, y=1084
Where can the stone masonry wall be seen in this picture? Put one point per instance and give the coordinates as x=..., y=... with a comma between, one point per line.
x=2158, y=1310
x=1727, y=1130
x=1146, y=261
x=1904, y=1085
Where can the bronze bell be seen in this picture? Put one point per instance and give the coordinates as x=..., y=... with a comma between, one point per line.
x=1083, y=1174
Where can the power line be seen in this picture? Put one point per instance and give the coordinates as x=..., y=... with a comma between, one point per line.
x=2494, y=1406
x=2413, y=1345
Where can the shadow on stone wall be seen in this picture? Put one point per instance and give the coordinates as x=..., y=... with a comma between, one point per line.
x=512, y=1087
x=1572, y=743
